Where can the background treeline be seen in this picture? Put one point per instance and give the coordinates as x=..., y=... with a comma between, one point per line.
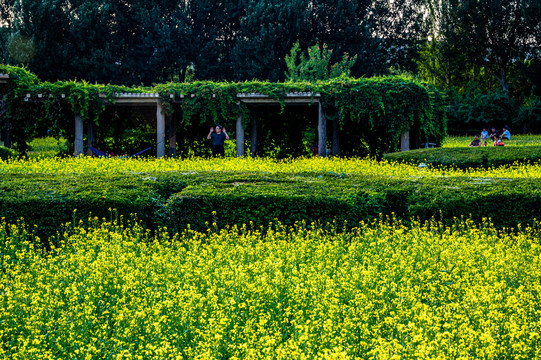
x=144, y=42
x=486, y=53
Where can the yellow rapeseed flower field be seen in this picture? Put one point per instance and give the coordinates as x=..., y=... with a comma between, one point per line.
x=113, y=290
x=354, y=166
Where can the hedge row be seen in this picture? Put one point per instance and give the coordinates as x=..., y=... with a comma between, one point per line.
x=6, y=154
x=176, y=200
x=469, y=157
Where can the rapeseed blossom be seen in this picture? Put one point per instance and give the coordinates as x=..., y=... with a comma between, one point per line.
x=316, y=165
x=112, y=289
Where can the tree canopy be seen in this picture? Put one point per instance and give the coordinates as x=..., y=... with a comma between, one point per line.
x=142, y=42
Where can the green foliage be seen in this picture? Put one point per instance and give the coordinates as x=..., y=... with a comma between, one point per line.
x=474, y=109
x=19, y=118
x=175, y=200
x=142, y=42
x=484, y=41
x=103, y=41
x=316, y=65
x=380, y=109
x=529, y=117
x=7, y=154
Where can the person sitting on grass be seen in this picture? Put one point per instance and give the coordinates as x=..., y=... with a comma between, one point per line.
x=499, y=142
x=493, y=134
x=484, y=134
x=475, y=141
x=506, y=134
x=218, y=140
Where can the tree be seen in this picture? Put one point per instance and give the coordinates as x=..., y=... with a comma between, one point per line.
x=316, y=65
x=399, y=27
x=215, y=26
x=345, y=27
x=472, y=38
x=105, y=41
x=267, y=31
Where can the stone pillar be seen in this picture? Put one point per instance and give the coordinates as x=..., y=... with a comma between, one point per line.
x=240, y=137
x=335, y=138
x=79, y=146
x=160, y=131
x=322, y=132
x=90, y=136
x=172, y=136
x=405, y=141
x=253, y=132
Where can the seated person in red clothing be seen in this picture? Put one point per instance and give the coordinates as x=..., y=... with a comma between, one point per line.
x=499, y=142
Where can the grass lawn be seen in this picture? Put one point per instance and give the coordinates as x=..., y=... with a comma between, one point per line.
x=516, y=140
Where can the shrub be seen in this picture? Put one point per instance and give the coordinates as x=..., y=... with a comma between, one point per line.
x=6, y=154
x=466, y=157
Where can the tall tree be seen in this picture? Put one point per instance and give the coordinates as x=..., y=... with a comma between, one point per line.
x=346, y=27
x=267, y=32
x=471, y=38
x=215, y=26
x=105, y=41
x=399, y=27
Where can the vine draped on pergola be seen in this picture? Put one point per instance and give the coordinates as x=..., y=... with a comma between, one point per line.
x=401, y=112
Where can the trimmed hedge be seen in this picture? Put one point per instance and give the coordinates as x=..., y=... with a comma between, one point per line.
x=469, y=157
x=6, y=154
x=198, y=200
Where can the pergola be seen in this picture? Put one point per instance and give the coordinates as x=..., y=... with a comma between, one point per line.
x=252, y=99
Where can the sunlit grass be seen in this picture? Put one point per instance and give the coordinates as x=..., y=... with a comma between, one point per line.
x=516, y=140
x=46, y=147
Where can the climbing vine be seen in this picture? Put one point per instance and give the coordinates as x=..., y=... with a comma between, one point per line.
x=380, y=108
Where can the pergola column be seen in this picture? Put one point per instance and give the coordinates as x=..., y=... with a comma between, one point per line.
x=322, y=131
x=160, y=131
x=6, y=136
x=240, y=137
x=405, y=141
x=253, y=132
x=78, y=145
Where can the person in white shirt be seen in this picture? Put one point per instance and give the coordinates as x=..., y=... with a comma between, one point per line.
x=506, y=134
x=484, y=134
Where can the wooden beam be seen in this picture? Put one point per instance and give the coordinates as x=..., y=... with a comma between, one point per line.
x=290, y=98
x=160, y=131
x=78, y=145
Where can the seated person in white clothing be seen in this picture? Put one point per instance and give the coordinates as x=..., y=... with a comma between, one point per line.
x=506, y=134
